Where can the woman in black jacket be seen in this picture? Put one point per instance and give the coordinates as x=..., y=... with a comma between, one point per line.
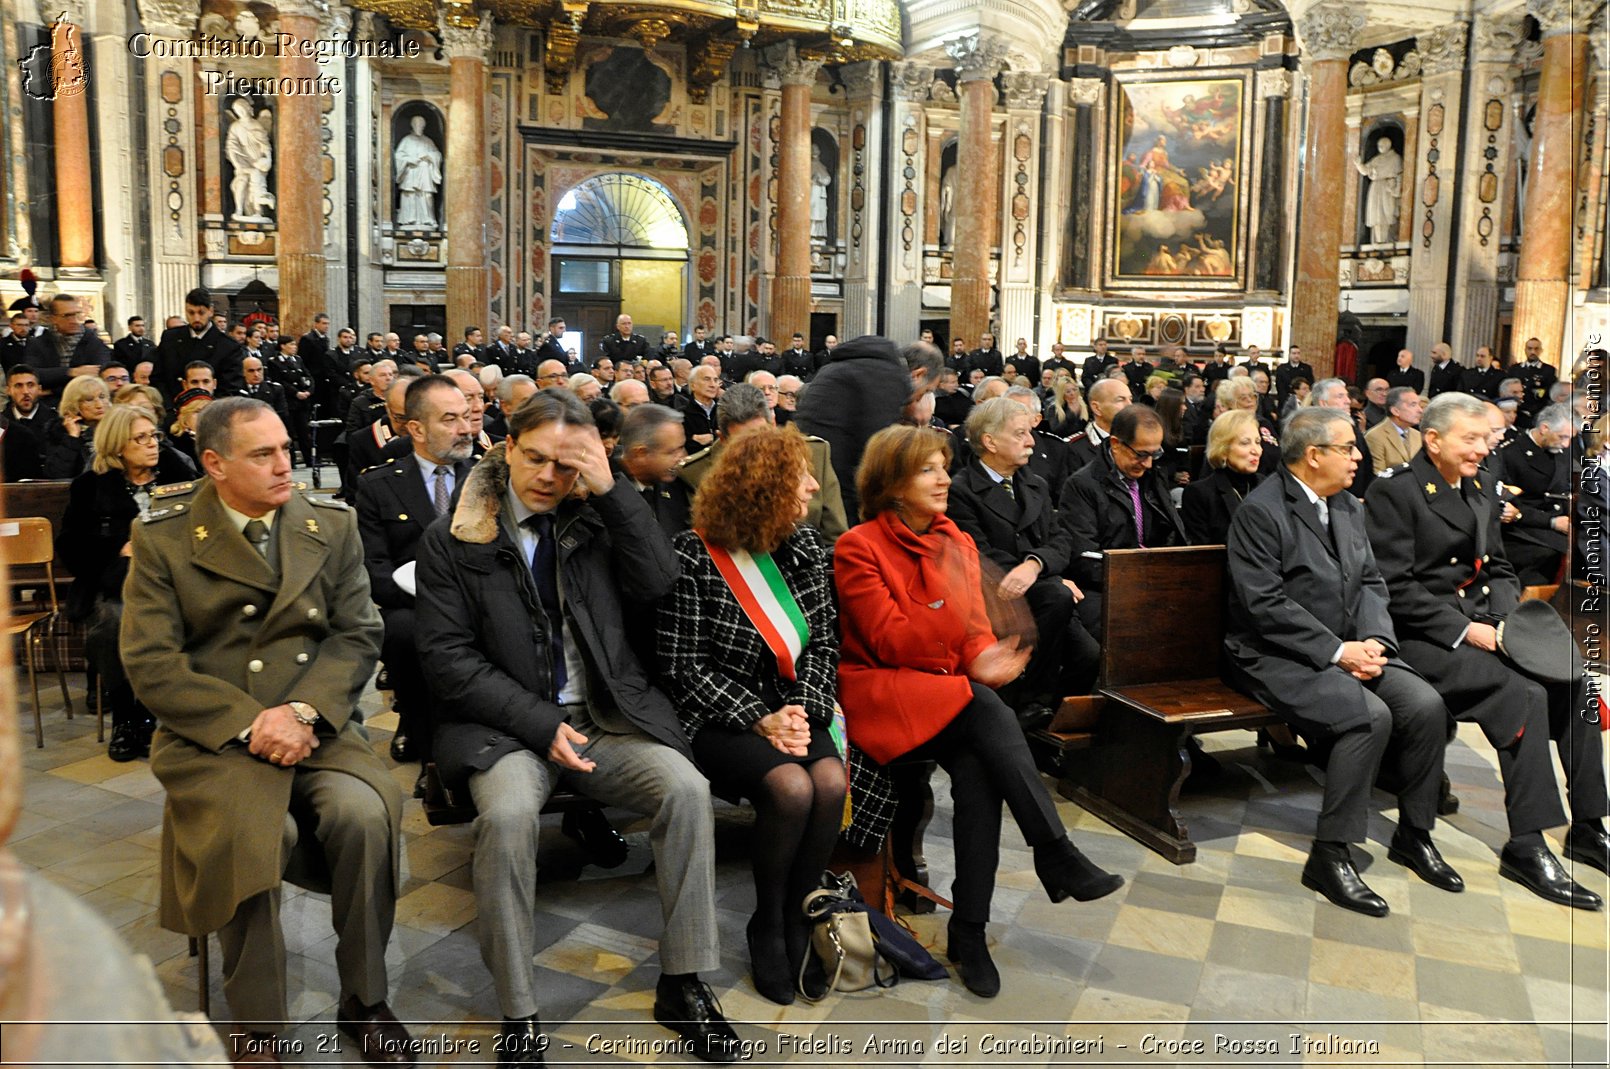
x=1234, y=450
x=749, y=644
x=70, y=440
x=102, y=505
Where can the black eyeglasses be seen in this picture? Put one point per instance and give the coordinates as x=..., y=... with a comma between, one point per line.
x=1345, y=449
x=1151, y=454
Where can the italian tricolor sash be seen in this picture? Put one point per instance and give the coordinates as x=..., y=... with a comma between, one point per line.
x=766, y=600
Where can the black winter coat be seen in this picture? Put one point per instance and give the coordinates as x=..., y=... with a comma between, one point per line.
x=95, y=528
x=858, y=394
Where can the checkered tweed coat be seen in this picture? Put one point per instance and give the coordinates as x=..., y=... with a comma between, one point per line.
x=718, y=669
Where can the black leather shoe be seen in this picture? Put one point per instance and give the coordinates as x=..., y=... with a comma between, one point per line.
x=1588, y=844
x=521, y=1041
x=1034, y=715
x=1064, y=871
x=1416, y=852
x=1539, y=871
x=402, y=749
x=605, y=846
x=381, y=1038
x=1336, y=878
x=420, y=784
x=689, y=1008
x=125, y=744
x=968, y=950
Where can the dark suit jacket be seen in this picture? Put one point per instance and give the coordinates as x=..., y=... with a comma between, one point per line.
x=671, y=503
x=88, y=351
x=22, y=443
x=1094, y=367
x=178, y=348
x=1009, y=528
x=1298, y=590
x=1287, y=373
x=1409, y=376
x=695, y=351
x=394, y=511
x=986, y=360
x=694, y=421
x=129, y=350
x=1449, y=379
x=1482, y=383
x=617, y=348
x=1099, y=515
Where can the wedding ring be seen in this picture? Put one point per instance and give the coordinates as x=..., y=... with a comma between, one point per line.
x=276, y=758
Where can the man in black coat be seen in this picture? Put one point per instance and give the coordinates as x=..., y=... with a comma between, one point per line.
x=197, y=339
x=1118, y=502
x=866, y=387
x=1104, y=401
x=472, y=346
x=1536, y=464
x=1096, y=364
x=1051, y=458
x=1435, y=531
x=397, y=502
x=501, y=351
x=133, y=347
x=22, y=426
x=1290, y=371
x=1059, y=360
x=1027, y=364
x=986, y=357
x=1536, y=378
x=1406, y=374
x=257, y=385
x=699, y=413
x=699, y=346
x=314, y=348
x=1483, y=379
x=951, y=403
x=522, y=601
x=797, y=359
x=1309, y=635
x=1447, y=375
x=621, y=345
x=1008, y=511
x=65, y=349
x=1137, y=369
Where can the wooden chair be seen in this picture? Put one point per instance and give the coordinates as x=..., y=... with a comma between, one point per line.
x=31, y=540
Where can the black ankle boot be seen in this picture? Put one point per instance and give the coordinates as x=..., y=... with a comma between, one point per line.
x=768, y=963
x=1064, y=871
x=969, y=951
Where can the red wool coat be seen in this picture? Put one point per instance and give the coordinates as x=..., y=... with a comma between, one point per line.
x=911, y=619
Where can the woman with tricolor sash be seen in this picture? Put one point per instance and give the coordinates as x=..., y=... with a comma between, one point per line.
x=917, y=676
x=748, y=641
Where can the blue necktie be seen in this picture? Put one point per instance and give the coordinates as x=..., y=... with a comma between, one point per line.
x=544, y=565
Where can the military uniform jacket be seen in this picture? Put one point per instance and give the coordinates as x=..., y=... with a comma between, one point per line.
x=1288, y=373
x=1483, y=382
x=179, y=347
x=618, y=349
x=826, y=512
x=395, y=507
x=1543, y=478
x=1298, y=589
x=210, y=638
x=1536, y=380
x=1411, y=377
x=271, y=394
x=1446, y=378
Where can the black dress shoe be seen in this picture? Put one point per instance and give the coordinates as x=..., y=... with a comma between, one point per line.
x=968, y=950
x=605, y=846
x=521, y=1042
x=420, y=784
x=402, y=749
x=381, y=1038
x=1416, y=852
x=1064, y=871
x=1588, y=844
x=1539, y=871
x=1334, y=876
x=1034, y=715
x=125, y=744
x=688, y=1007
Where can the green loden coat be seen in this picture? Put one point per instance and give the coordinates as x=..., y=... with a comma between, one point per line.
x=209, y=640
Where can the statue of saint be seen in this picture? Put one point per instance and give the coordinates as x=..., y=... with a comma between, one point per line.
x=418, y=164
x=1385, y=172
x=249, y=147
x=947, y=209
x=821, y=182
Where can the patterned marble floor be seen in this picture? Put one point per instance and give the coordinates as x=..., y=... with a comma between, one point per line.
x=1225, y=961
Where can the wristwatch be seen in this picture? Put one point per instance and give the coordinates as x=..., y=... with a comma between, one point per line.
x=305, y=714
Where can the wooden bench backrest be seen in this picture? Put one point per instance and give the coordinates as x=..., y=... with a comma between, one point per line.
x=46, y=497
x=1162, y=615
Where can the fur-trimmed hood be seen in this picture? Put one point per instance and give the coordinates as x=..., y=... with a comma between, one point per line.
x=475, y=520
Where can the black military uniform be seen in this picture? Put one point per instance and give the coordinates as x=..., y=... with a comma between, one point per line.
x=272, y=394
x=1410, y=376
x=130, y=350
x=798, y=362
x=1136, y=372
x=1447, y=378
x=1536, y=378
x=180, y=346
x=1288, y=373
x=1482, y=382
x=619, y=349
x=695, y=351
x=476, y=351
x=986, y=360
x=1440, y=551
x=1542, y=479
x=1094, y=368
x=288, y=370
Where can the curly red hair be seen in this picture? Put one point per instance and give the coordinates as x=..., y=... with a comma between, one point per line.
x=749, y=500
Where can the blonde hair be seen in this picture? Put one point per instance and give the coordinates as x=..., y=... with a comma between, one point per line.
x=113, y=434
x=1066, y=397
x=80, y=390
x=191, y=409
x=141, y=396
x=1225, y=430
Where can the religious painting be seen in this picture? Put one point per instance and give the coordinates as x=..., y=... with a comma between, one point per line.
x=1178, y=183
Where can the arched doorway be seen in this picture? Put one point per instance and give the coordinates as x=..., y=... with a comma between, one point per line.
x=619, y=243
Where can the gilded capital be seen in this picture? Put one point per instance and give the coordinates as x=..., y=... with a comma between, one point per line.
x=1330, y=30
x=465, y=39
x=1443, y=49
x=977, y=56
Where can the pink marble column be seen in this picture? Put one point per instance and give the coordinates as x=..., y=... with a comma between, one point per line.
x=978, y=59
x=468, y=277
x=75, y=195
x=299, y=198
x=791, y=286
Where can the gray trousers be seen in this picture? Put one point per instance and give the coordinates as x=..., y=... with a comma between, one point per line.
x=1405, y=711
x=349, y=821
x=634, y=772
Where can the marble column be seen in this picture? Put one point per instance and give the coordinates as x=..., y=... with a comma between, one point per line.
x=1083, y=238
x=1489, y=138
x=863, y=87
x=977, y=59
x=790, y=306
x=1329, y=33
x=1542, y=276
x=1025, y=93
x=170, y=107
x=299, y=197
x=123, y=198
x=1273, y=88
x=75, y=194
x=1049, y=194
x=1432, y=241
x=910, y=83
x=468, y=278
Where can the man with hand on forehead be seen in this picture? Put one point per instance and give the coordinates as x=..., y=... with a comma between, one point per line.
x=547, y=690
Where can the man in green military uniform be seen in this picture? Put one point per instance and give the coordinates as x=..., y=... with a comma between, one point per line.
x=743, y=407
x=249, y=633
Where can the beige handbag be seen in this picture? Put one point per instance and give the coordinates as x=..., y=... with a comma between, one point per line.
x=842, y=940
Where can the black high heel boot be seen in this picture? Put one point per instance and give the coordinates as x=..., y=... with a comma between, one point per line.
x=1064, y=871
x=969, y=951
x=768, y=964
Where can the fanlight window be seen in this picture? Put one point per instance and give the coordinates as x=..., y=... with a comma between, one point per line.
x=623, y=211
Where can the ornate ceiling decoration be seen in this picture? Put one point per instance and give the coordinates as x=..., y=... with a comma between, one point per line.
x=833, y=31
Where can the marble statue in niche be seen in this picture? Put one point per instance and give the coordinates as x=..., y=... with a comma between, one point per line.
x=417, y=162
x=947, y=208
x=1385, y=173
x=249, y=148
x=821, y=185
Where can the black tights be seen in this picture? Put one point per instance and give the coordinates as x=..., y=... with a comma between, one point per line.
x=798, y=809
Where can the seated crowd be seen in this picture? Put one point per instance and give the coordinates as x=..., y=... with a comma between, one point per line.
x=850, y=570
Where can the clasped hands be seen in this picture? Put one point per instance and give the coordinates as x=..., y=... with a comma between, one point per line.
x=281, y=739
x=788, y=730
x=1363, y=660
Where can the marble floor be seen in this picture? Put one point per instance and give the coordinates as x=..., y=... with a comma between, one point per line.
x=1224, y=961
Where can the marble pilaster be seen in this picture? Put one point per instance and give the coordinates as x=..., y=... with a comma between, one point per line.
x=1053, y=180
x=170, y=112
x=121, y=206
x=862, y=284
x=1432, y=241
x=468, y=276
x=1025, y=93
x=908, y=82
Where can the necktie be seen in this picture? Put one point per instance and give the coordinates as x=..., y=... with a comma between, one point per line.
x=1007, y=485
x=1324, y=512
x=440, y=494
x=257, y=534
x=1140, y=522
x=544, y=565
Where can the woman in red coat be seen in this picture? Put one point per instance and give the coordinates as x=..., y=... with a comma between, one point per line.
x=917, y=665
